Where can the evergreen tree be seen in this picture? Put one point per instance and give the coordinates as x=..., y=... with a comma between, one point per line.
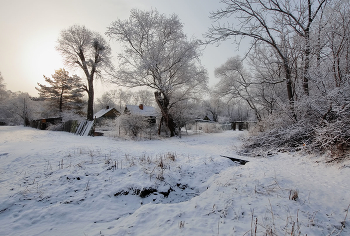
x=64, y=92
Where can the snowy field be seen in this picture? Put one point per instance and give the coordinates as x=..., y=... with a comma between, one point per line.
x=56, y=183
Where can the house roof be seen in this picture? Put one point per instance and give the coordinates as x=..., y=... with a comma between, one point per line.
x=146, y=111
x=102, y=112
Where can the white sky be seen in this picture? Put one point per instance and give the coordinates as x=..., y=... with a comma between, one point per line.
x=30, y=28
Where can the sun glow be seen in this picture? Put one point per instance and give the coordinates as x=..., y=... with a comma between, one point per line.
x=41, y=58
x=47, y=59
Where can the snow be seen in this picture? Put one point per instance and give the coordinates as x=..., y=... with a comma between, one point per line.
x=56, y=183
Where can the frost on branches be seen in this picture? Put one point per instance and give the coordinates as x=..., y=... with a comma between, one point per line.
x=158, y=55
x=89, y=51
x=299, y=72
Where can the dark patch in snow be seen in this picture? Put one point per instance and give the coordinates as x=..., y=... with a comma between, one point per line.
x=240, y=161
x=146, y=192
x=67, y=202
x=166, y=194
x=3, y=210
x=121, y=193
x=182, y=186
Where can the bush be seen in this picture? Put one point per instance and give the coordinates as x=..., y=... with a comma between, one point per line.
x=285, y=138
x=134, y=125
x=334, y=135
x=321, y=128
x=207, y=127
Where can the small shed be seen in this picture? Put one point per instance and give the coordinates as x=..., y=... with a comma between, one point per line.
x=43, y=124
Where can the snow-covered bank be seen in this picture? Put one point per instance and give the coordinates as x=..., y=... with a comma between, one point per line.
x=55, y=183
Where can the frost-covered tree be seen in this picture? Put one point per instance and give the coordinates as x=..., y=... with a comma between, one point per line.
x=63, y=92
x=3, y=96
x=214, y=106
x=186, y=112
x=236, y=83
x=88, y=51
x=3, y=91
x=107, y=99
x=15, y=108
x=120, y=97
x=133, y=124
x=254, y=21
x=158, y=55
x=336, y=43
x=285, y=27
x=306, y=43
x=18, y=109
x=144, y=97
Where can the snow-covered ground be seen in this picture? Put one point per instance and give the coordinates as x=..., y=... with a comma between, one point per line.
x=56, y=183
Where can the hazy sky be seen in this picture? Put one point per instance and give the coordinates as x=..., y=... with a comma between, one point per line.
x=30, y=28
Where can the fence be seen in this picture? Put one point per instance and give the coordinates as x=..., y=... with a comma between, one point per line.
x=83, y=128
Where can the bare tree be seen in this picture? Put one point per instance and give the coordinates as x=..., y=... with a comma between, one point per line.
x=298, y=16
x=87, y=50
x=186, y=112
x=158, y=55
x=304, y=44
x=268, y=80
x=107, y=99
x=144, y=97
x=214, y=105
x=271, y=23
x=121, y=97
x=235, y=82
x=337, y=36
x=18, y=108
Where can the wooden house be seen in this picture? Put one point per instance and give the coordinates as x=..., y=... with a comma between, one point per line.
x=150, y=113
x=107, y=113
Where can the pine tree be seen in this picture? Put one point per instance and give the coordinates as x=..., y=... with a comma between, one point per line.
x=64, y=92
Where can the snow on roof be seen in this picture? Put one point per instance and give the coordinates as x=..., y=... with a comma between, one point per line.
x=146, y=111
x=102, y=112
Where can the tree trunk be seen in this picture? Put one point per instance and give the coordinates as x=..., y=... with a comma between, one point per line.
x=307, y=66
x=307, y=51
x=163, y=103
x=290, y=93
x=90, y=109
x=61, y=102
x=160, y=125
